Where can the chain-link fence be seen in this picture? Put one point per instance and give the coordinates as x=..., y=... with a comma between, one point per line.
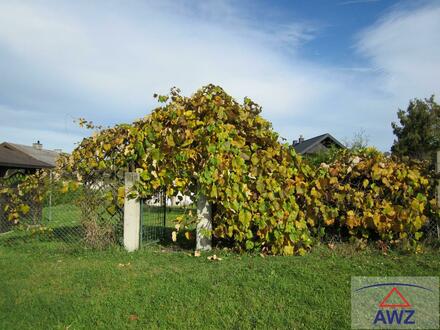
x=33, y=215
x=67, y=213
x=158, y=216
x=91, y=215
x=432, y=229
x=85, y=215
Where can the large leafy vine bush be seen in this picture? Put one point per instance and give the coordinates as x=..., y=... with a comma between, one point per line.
x=265, y=197
x=210, y=144
x=367, y=195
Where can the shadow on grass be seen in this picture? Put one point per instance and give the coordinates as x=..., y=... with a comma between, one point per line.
x=65, y=234
x=163, y=236
x=74, y=235
x=68, y=234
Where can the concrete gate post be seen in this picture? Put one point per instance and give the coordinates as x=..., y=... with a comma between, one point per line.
x=132, y=215
x=204, y=222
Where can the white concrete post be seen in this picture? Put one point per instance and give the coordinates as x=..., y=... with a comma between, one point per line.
x=204, y=223
x=132, y=215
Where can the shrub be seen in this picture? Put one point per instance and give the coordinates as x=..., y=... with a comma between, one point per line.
x=266, y=197
x=369, y=196
x=23, y=198
x=210, y=144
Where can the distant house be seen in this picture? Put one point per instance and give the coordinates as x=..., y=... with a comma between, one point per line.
x=26, y=159
x=316, y=144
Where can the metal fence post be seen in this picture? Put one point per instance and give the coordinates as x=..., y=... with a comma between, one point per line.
x=50, y=195
x=132, y=215
x=437, y=170
x=204, y=224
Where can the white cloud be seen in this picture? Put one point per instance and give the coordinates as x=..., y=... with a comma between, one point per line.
x=405, y=45
x=69, y=59
x=355, y=2
x=111, y=60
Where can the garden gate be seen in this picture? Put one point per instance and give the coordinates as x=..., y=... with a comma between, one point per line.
x=153, y=218
x=158, y=215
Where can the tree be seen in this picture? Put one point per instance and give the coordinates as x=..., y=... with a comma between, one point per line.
x=418, y=134
x=359, y=140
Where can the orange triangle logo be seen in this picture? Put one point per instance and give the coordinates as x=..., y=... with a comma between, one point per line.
x=384, y=304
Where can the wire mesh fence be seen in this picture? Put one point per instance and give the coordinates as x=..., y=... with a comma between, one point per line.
x=153, y=218
x=158, y=216
x=32, y=218
x=91, y=215
x=68, y=214
x=432, y=231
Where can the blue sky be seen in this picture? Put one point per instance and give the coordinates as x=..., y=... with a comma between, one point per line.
x=337, y=66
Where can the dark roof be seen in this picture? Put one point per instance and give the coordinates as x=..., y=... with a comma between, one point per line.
x=21, y=156
x=308, y=144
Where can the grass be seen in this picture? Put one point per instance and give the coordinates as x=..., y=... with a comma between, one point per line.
x=156, y=287
x=48, y=284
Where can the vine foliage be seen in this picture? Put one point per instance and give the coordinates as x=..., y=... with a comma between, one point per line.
x=264, y=196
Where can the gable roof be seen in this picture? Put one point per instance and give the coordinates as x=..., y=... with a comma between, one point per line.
x=21, y=156
x=308, y=144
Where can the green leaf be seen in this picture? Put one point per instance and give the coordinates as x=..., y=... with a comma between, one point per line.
x=249, y=245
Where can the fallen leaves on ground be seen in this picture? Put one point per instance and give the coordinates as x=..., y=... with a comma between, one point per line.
x=124, y=265
x=214, y=258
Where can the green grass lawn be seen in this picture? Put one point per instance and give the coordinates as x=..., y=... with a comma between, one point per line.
x=43, y=285
x=57, y=284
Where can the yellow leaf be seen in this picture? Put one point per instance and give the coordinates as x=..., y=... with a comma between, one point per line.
x=288, y=250
x=13, y=216
x=214, y=191
x=24, y=208
x=65, y=187
x=107, y=146
x=170, y=140
x=300, y=224
x=121, y=192
x=214, y=258
x=155, y=184
x=352, y=220
x=333, y=180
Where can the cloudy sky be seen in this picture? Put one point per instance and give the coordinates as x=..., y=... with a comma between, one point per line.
x=337, y=66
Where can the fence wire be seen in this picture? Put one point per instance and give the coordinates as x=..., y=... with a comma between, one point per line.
x=91, y=215
x=158, y=215
x=76, y=215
